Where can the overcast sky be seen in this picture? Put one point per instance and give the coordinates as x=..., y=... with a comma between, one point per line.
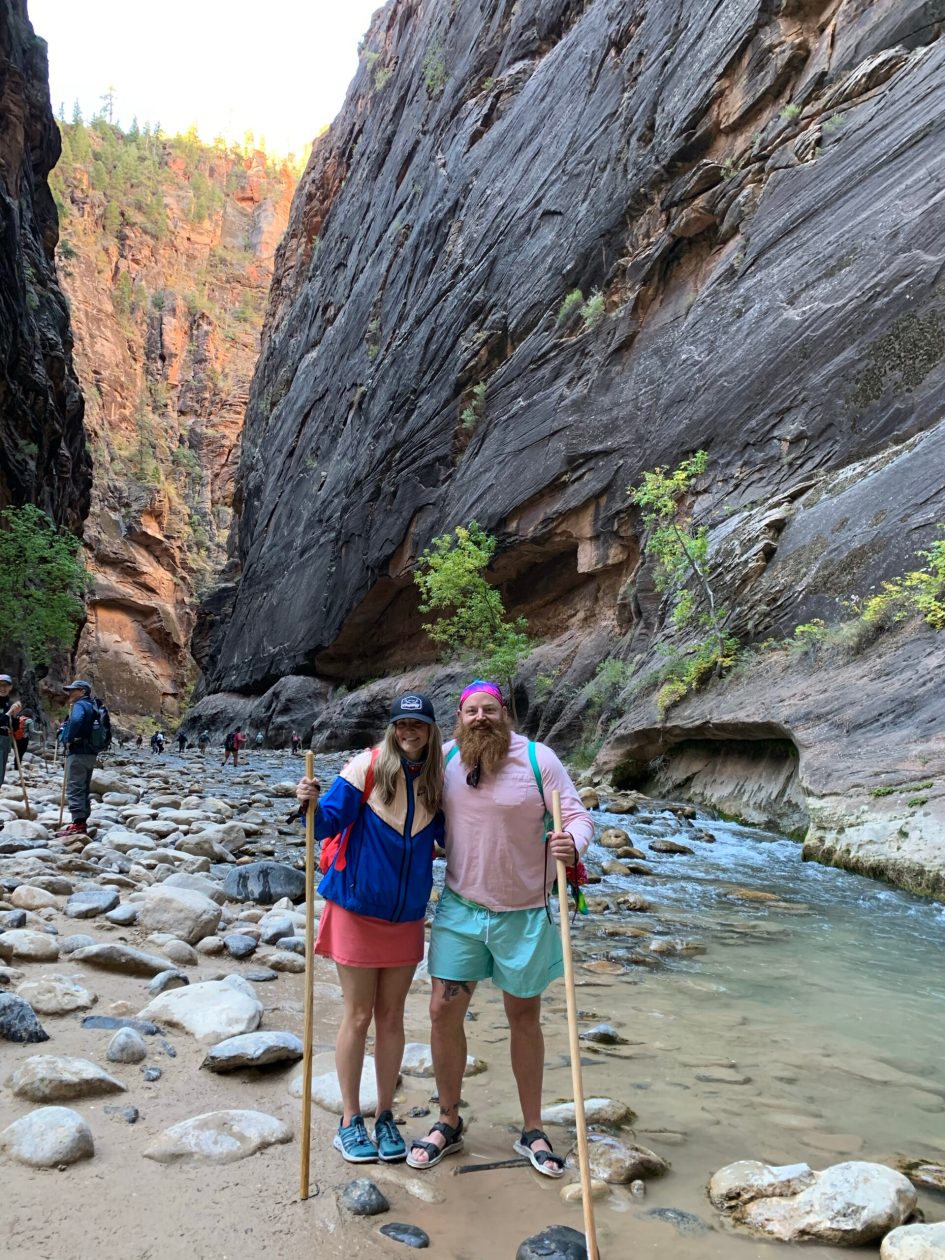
x=278, y=68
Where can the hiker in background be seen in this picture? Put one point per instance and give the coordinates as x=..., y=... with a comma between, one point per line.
x=378, y=823
x=260, y=739
x=296, y=743
x=203, y=740
x=81, y=754
x=139, y=741
x=161, y=741
x=155, y=743
x=181, y=742
x=24, y=730
x=8, y=712
x=492, y=919
x=232, y=745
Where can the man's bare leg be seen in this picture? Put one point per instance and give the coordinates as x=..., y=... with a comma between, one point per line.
x=448, y=1007
x=527, y=1047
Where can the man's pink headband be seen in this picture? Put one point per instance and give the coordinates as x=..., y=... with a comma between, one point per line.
x=478, y=685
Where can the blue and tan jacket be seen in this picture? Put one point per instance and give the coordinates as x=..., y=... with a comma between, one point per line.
x=388, y=870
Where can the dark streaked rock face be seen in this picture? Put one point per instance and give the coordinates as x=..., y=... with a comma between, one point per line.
x=43, y=458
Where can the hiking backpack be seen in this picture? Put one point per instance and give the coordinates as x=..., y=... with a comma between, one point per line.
x=230, y=742
x=334, y=849
x=100, y=736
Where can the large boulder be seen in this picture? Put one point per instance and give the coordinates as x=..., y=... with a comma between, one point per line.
x=50, y=1137
x=914, y=1242
x=264, y=883
x=181, y=912
x=211, y=1011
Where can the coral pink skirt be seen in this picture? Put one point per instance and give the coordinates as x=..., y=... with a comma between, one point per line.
x=354, y=940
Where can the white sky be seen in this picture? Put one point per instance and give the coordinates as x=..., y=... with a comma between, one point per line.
x=278, y=68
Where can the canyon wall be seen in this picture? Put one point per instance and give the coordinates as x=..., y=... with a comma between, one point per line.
x=166, y=256
x=746, y=196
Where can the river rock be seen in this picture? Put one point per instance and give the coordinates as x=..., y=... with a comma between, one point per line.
x=558, y=1242
x=614, y=838
x=922, y=1173
x=218, y=1137
x=596, y=1111
x=180, y=953
x=123, y=916
x=264, y=883
x=211, y=1011
x=91, y=902
x=409, y=1235
x=670, y=847
x=363, y=1198
x=27, y=897
x=574, y=1191
x=56, y=995
x=122, y=958
x=687, y=1224
x=106, y=781
x=589, y=798
x=326, y=1091
x=253, y=1050
x=48, y=1138
x=77, y=940
x=31, y=946
x=634, y=902
x=273, y=927
x=418, y=1061
x=182, y=912
x=738, y=1184
x=604, y=1035
x=165, y=980
x=126, y=1046
x=196, y=883
x=849, y=1204
x=618, y=1163
x=18, y=1021
x=285, y=961
x=239, y=946
x=56, y=1078
x=10, y=919
x=25, y=829
x=914, y=1242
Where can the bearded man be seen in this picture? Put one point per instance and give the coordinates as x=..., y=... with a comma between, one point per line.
x=491, y=921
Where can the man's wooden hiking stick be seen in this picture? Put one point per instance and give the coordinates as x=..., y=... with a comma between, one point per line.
x=62, y=794
x=580, y=1121
x=309, y=981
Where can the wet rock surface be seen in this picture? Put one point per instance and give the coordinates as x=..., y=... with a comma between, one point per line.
x=363, y=1198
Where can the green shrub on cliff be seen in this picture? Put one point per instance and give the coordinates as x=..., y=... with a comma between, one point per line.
x=922, y=591
x=469, y=615
x=42, y=583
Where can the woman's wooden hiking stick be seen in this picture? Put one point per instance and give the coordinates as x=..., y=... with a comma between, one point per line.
x=580, y=1121
x=309, y=981
x=19, y=766
x=62, y=794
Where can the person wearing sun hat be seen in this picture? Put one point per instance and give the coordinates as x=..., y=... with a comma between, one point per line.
x=378, y=824
x=491, y=920
x=81, y=758
x=8, y=711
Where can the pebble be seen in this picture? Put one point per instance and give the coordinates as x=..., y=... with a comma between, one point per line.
x=126, y=1046
x=409, y=1235
x=574, y=1193
x=18, y=1021
x=130, y=1115
x=363, y=1198
x=152, y=1073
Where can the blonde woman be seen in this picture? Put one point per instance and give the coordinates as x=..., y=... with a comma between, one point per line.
x=378, y=823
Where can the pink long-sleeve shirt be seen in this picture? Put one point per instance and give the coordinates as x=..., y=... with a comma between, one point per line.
x=495, y=845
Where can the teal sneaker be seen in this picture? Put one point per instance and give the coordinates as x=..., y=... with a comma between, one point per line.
x=353, y=1142
x=391, y=1147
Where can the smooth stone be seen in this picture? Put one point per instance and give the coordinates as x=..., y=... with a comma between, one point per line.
x=110, y=1022
x=924, y=1174
x=596, y=1111
x=165, y=980
x=180, y=953
x=10, y=919
x=196, y=883
x=210, y=1011
x=914, y=1242
x=91, y=902
x=613, y=838
x=218, y=1137
x=56, y=1078
x=210, y=946
x=409, y=1235
x=283, y=961
x=239, y=946
x=18, y=1021
x=363, y=1198
x=418, y=1061
x=273, y=928
x=259, y=975
x=618, y=1163
x=604, y=1035
x=574, y=1193
x=79, y=940
x=670, y=847
x=126, y=1046
x=264, y=883
x=56, y=995
x=25, y=829
x=49, y=1137
x=130, y=1115
x=253, y=1050
x=122, y=958
x=558, y=1242
x=152, y=1073
x=326, y=1090
x=686, y=1224
x=187, y=915
x=31, y=946
x=124, y=915
x=293, y=944
x=26, y=897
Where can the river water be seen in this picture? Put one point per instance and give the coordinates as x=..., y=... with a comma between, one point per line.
x=809, y=1026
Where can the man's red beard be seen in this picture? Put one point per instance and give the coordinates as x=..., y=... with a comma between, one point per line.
x=486, y=742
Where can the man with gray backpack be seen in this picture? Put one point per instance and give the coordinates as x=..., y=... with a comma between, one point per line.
x=87, y=733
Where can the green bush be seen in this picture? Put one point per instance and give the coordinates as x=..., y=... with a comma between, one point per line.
x=434, y=68
x=593, y=310
x=569, y=307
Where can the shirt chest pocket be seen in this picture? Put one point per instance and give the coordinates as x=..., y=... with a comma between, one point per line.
x=515, y=788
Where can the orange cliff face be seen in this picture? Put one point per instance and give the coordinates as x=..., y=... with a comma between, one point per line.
x=166, y=256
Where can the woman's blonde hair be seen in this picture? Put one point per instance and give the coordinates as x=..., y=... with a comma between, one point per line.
x=428, y=784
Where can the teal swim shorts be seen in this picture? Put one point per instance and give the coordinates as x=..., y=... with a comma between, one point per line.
x=519, y=949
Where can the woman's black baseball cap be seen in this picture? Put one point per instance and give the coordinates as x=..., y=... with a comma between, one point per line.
x=413, y=705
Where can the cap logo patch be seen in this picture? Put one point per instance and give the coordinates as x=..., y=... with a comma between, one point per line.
x=411, y=702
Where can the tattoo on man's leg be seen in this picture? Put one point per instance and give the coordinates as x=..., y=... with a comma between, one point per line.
x=452, y=987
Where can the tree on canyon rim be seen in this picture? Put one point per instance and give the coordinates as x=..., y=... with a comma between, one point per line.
x=43, y=583
x=470, y=618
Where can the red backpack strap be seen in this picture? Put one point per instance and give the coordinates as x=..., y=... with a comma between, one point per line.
x=341, y=859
